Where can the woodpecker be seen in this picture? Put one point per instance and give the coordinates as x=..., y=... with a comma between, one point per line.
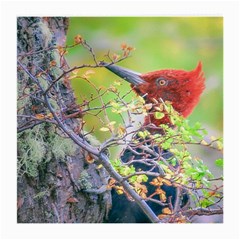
x=183, y=89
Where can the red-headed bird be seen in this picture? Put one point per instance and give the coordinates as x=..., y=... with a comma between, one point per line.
x=183, y=89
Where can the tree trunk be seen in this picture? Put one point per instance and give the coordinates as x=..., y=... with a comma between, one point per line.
x=53, y=174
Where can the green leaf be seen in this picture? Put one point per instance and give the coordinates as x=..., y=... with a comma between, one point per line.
x=166, y=145
x=204, y=131
x=132, y=169
x=158, y=115
x=173, y=161
x=219, y=162
x=133, y=179
x=197, y=125
x=143, y=134
x=186, y=138
x=206, y=202
x=144, y=178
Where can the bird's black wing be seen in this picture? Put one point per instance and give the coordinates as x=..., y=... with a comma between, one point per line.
x=126, y=211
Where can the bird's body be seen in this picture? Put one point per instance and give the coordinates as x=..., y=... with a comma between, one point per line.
x=181, y=88
x=126, y=211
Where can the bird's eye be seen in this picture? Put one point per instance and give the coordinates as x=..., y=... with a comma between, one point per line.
x=161, y=82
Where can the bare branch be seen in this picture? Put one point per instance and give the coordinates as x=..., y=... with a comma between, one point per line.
x=203, y=212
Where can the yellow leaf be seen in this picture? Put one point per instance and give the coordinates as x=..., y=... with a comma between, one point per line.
x=104, y=129
x=161, y=216
x=129, y=48
x=117, y=83
x=90, y=71
x=123, y=46
x=112, y=123
x=121, y=130
x=53, y=63
x=148, y=106
x=72, y=77
x=141, y=99
x=101, y=88
x=119, y=189
x=87, y=74
x=167, y=176
x=111, y=183
x=40, y=116
x=78, y=39
x=143, y=195
x=49, y=115
x=213, y=138
x=203, y=142
x=99, y=166
x=166, y=211
x=167, y=182
x=115, y=57
x=154, y=182
x=163, y=196
x=112, y=89
x=181, y=219
x=75, y=72
x=61, y=50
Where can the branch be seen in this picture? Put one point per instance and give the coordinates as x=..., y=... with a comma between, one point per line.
x=203, y=212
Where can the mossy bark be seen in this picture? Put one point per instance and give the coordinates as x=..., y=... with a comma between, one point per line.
x=52, y=170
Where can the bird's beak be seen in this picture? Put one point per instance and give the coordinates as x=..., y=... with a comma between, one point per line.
x=128, y=75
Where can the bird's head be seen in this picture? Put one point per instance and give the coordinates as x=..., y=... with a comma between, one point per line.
x=181, y=88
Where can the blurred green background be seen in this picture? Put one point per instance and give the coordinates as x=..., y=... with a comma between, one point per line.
x=160, y=43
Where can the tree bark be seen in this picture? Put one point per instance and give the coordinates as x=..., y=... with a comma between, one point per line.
x=53, y=174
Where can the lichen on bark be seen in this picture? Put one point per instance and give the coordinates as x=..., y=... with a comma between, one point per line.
x=49, y=163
